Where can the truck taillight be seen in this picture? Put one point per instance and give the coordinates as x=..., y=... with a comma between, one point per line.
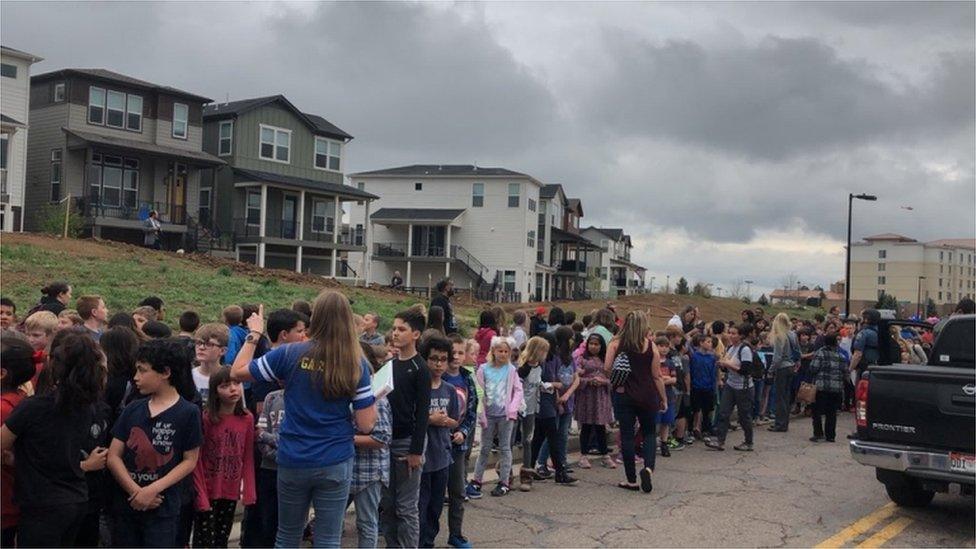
x=861, y=403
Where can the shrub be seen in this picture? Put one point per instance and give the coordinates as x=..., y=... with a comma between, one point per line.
x=51, y=220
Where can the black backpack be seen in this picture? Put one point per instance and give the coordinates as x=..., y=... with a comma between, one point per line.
x=756, y=370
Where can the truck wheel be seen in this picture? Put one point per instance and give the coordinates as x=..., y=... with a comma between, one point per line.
x=907, y=492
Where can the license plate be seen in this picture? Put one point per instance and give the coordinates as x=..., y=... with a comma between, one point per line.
x=962, y=463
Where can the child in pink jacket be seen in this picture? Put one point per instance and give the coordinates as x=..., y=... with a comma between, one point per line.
x=499, y=380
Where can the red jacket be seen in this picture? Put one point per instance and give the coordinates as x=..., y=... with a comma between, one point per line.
x=8, y=509
x=226, y=460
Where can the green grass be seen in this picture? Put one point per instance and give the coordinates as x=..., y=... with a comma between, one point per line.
x=180, y=283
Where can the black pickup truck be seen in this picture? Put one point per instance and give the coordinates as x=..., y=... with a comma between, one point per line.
x=916, y=423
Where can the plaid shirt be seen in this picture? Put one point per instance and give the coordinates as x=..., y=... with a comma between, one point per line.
x=829, y=368
x=372, y=465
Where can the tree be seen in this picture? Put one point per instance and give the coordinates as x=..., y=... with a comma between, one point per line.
x=763, y=300
x=51, y=220
x=930, y=308
x=746, y=299
x=681, y=288
x=789, y=281
x=887, y=301
x=737, y=289
x=702, y=289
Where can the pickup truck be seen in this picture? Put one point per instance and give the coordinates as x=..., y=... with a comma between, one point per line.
x=916, y=423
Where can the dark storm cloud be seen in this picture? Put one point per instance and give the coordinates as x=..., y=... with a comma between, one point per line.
x=944, y=16
x=781, y=98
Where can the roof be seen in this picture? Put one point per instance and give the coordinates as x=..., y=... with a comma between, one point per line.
x=199, y=157
x=219, y=111
x=112, y=76
x=969, y=243
x=7, y=50
x=576, y=205
x=561, y=235
x=889, y=236
x=455, y=170
x=550, y=190
x=246, y=176
x=634, y=266
x=10, y=121
x=613, y=233
x=415, y=214
x=804, y=294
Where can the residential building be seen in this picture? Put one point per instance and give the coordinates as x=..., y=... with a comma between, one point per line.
x=15, y=68
x=611, y=264
x=278, y=200
x=477, y=225
x=941, y=270
x=561, y=251
x=120, y=147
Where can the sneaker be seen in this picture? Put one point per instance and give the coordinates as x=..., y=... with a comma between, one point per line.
x=714, y=444
x=543, y=473
x=665, y=451
x=743, y=447
x=733, y=427
x=672, y=442
x=566, y=480
x=473, y=490
x=458, y=541
x=689, y=440
x=679, y=446
x=645, y=480
x=775, y=429
x=499, y=490
x=816, y=439
x=525, y=480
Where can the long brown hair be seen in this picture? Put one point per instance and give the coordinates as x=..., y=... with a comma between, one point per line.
x=633, y=334
x=335, y=354
x=217, y=379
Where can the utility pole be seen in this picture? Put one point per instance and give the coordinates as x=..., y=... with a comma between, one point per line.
x=667, y=288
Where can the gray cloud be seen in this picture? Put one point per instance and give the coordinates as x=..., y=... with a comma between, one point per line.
x=781, y=98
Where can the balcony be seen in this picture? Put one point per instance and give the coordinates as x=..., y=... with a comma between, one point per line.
x=399, y=249
x=570, y=266
x=168, y=213
x=619, y=282
x=287, y=229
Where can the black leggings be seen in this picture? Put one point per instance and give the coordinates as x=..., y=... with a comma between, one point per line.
x=52, y=526
x=593, y=437
x=212, y=528
x=547, y=429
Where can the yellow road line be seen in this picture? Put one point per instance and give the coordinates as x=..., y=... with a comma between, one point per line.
x=887, y=533
x=859, y=527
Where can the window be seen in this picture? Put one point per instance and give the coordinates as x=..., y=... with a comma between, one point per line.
x=59, y=92
x=254, y=208
x=96, y=105
x=514, y=191
x=225, y=137
x=327, y=154
x=115, y=110
x=941, y=269
x=275, y=144
x=940, y=256
x=133, y=110
x=10, y=71
x=418, y=186
x=508, y=280
x=321, y=222
x=940, y=282
x=360, y=234
x=531, y=239
x=881, y=267
x=55, y=175
x=181, y=116
x=477, y=195
x=882, y=254
x=881, y=280
x=205, y=194
x=940, y=296
x=114, y=181
x=531, y=205
x=948, y=296
x=361, y=186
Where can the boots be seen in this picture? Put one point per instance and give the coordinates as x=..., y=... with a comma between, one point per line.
x=525, y=480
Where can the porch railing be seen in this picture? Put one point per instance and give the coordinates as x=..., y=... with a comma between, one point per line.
x=168, y=213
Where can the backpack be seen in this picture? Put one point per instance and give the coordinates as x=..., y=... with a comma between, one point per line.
x=795, y=353
x=621, y=370
x=755, y=370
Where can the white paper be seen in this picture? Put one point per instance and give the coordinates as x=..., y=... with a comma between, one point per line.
x=383, y=380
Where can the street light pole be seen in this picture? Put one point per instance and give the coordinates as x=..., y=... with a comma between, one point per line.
x=918, y=298
x=847, y=276
x=749, y=289
x=667, y=288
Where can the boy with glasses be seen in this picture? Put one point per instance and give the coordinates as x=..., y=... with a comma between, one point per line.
x=210, y=341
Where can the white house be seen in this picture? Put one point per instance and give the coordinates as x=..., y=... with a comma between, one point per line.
x=611, y=262
x=561, y=254
x=14, y=113
x=477, y=225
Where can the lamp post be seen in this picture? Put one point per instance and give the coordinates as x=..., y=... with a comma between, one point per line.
x=918, y=298
x=749, y=289
x=651, y=289
x=847, y=276
x=667, y=288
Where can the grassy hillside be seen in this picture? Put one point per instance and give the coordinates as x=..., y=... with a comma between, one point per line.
x=124, y=274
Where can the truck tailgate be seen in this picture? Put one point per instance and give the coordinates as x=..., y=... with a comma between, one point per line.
x=922, y=405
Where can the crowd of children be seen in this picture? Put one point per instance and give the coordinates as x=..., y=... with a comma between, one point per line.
x=118, y=433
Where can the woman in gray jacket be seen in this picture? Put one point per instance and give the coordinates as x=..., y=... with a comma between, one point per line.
x=785, y=346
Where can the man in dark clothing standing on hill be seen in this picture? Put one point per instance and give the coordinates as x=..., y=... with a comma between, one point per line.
x=445, y=289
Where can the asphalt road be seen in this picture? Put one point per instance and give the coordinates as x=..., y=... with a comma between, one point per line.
x=788, y=493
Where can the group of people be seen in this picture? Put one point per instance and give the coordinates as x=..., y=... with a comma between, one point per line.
x=118, y=432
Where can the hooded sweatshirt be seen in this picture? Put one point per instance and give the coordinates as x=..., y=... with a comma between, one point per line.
x=483, y=337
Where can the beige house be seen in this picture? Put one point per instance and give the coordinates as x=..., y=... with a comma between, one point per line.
x=941, y=270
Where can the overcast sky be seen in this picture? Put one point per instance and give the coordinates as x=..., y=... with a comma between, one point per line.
x=723, y=137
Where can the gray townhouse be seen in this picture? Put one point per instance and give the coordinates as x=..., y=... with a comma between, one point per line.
x=562, y=251
x=611, y=264
x=277, y=199
x=120, y=147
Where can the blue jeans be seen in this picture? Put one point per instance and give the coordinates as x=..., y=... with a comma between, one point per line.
x=628, y=413
x=368, y=513
x=757, y=400
x=144, y=529
x=562, y=437
x=324, y=488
